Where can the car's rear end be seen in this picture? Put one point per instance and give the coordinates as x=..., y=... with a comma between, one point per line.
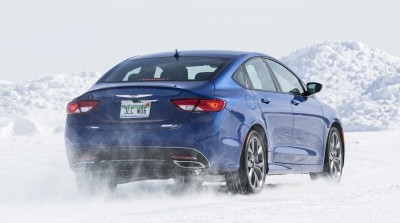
x=151, y=118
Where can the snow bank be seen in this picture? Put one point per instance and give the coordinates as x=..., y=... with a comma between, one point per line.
x=362, y=83
x=38, y=106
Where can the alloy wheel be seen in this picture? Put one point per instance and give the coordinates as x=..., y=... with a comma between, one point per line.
x=335, y=156
x=255, y=161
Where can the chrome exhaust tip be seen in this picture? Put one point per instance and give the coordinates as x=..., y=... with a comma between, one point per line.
x=189, y=164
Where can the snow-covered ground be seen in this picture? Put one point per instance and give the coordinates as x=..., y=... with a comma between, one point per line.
x=37, y=186
x=363, y=83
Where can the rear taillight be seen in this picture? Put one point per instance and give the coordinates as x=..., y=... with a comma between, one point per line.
x=78, y=107
x=200, y=105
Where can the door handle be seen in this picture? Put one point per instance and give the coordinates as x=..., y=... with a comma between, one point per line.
x=295, y=102
x=265, y=100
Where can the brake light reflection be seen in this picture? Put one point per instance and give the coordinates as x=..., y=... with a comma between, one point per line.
x=199, y=105
x=78, y=107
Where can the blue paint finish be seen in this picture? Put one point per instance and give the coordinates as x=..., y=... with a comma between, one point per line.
x=277, y=116
x=296, y=134
x=251, y=101
x=308, y=129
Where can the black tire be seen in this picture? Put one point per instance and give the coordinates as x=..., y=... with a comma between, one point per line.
x=334, y=158
x=95, y=182
x=251, y=175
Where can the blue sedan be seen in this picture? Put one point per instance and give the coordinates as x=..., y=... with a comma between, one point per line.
x=201, y=115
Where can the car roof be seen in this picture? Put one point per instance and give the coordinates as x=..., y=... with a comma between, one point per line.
x=205, y=53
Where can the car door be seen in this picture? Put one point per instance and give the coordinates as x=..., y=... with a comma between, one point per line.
x=308, y=123
x=275, y=107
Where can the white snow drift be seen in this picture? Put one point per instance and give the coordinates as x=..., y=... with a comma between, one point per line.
x=37, y=106
x=362, y=83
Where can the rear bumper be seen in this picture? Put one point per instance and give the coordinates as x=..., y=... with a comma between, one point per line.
x=132, y=163
x=216, y=141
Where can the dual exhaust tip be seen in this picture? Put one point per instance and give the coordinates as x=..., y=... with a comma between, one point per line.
x=187, y=162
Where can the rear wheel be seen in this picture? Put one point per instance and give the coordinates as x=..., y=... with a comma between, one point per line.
x=334, y=158
x=94, y=182
x=251, y=175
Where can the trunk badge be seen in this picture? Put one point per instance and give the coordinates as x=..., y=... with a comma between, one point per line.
x=133, y=95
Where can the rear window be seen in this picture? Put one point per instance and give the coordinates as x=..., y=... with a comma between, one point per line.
x=166, y=69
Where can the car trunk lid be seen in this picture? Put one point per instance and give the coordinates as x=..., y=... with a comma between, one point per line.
x=140, y=106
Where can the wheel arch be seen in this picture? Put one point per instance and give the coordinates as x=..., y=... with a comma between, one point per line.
x=339, y=127
x=260, y=129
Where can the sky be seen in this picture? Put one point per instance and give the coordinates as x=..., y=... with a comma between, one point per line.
x=45, y=37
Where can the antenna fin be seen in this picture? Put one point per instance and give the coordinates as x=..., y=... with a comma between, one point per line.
x=177, y=54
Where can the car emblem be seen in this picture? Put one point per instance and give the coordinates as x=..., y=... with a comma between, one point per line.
x=133, y=95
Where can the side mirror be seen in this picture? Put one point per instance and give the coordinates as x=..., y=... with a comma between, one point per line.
x=313, y=87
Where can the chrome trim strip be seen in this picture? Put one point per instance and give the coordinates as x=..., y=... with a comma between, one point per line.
x=138, y=160
x=133, y=95
x=169, y=126
x=79, y=163
x=83, y=165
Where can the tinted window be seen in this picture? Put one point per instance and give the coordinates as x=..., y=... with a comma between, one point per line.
x=240, y=77
x=165, y=69
x=259, y=75
x=287, y=80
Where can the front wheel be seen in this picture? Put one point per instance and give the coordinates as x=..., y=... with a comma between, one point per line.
x=251, y=175
x=334, y=158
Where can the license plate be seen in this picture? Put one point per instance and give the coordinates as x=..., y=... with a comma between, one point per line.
x=130, y=109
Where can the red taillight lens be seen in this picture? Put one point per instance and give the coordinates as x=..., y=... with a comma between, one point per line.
x=78, y=107
x=210, y=105
x=201, y=105
x=72, y=108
